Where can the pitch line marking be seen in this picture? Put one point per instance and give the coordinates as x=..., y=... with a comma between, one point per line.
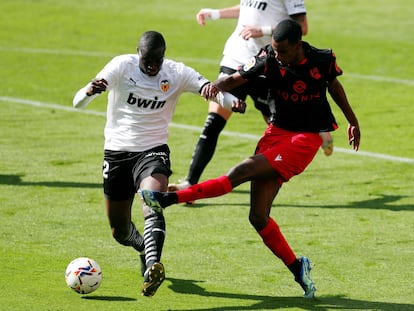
x=197, y=128
x=184, y=59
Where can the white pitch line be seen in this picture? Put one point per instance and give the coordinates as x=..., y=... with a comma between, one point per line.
x=183, y=59
x=197, y=128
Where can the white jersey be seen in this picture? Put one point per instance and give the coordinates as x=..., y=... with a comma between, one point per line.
x=238, y=51
x=140, y=107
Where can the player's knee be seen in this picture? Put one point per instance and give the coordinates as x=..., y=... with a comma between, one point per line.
x=258, y=221
x=218, y=109
x=242, y=172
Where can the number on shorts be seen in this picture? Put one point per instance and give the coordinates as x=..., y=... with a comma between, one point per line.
x=105, y=169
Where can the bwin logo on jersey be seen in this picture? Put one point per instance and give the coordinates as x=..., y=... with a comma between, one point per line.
x=259, y=5
x=145, y=103
x=165, y=86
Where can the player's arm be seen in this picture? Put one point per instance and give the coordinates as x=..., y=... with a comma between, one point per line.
x=213, y=14
x=231, y=102
x=86, y=94
x=227, y=100
x=217, y=91
x=248, y=32
x=223, y=84
x=337, y=93
x=249, y=71
x=302, y=20
x=259, y=31
x=229, y=82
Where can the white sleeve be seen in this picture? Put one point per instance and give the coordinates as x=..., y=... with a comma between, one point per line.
x=295, y=7
x=81, y=99
x=226, y=100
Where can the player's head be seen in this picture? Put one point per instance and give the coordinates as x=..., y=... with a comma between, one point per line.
x=287, y=42
x=151, y=50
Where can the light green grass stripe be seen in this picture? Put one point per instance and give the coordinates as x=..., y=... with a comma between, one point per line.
x=198, y=129
x=183, y=59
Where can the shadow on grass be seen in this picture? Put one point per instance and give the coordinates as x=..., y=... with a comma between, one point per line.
x=109, y=298
x=190, y=287
x=16, y=180
x=383, y=201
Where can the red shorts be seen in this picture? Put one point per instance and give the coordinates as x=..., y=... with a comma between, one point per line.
x=289, y=153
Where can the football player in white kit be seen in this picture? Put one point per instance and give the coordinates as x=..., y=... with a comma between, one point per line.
x=144, y=89
x=256, y=20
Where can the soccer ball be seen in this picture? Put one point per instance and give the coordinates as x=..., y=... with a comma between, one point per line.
x=83, y=275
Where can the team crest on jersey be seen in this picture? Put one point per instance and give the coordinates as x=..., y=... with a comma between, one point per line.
x=250, y=64
x=314, y=72
x=165, y=86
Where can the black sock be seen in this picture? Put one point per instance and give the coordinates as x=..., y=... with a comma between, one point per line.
x=137, y=239
x=205, y=147
x=295, y=268
x=168, y=198
x=134, y=239
x=154, y=235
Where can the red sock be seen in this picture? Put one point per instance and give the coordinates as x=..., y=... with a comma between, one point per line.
x=274, y=239
x=207, y=189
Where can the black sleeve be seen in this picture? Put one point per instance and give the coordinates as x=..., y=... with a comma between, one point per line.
x=257, y=65
x=254, y=68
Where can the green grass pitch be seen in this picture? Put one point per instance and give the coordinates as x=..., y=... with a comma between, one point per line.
x=351, y=213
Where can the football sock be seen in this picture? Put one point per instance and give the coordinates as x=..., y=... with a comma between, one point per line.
x=295, y=268
x=205, y=147
x=207, y=189
x=134, y=239
x=276, y=242
x=154, y=236
x=137, y=241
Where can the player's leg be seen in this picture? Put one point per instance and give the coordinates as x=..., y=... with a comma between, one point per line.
x=256, y=166
x=119, y=195
x=288, y=154
x=154, y=237
x=263, y=192
x=152, y=172
x=123, y=229
x=206, y=144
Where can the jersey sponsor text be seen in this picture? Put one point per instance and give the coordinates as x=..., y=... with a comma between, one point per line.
x=260, y=5
x=145, y=103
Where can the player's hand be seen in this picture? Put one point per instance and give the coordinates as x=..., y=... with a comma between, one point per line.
x=354, y=136
x=203, y=15
x=209, y=91
x=97, y=86
x=251, y=32
x=239, y=106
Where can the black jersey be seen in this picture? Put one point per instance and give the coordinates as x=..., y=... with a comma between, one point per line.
x=299, y=91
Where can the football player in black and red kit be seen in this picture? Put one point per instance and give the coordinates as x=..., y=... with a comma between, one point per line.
x=297, y=77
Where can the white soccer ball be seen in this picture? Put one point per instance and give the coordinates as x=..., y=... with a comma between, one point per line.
x=83, y=275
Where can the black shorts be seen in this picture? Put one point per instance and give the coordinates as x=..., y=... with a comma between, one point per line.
x=123, y=171
x=254, y=89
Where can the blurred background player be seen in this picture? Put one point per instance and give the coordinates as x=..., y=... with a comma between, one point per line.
x=253, y=31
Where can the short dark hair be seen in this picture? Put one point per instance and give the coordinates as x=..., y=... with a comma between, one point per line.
x=151, y=40
x=287, y=29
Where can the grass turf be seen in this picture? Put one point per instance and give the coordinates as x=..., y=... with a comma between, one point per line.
x=351, y=214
